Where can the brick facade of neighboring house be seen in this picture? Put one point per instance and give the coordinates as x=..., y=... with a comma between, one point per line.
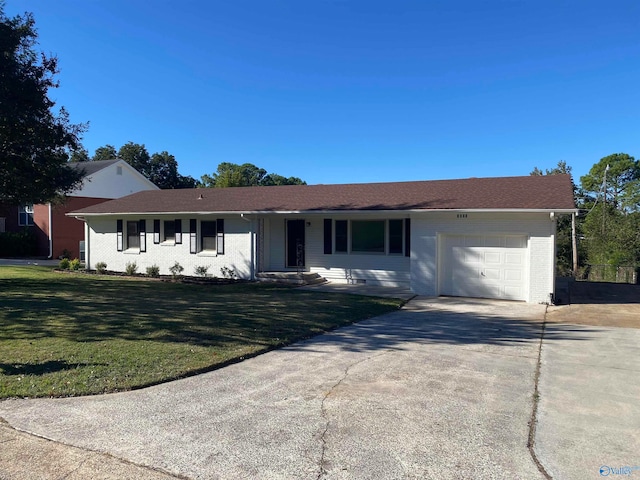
x=56, y=233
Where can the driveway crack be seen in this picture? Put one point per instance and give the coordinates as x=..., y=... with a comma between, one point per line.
x=534, y=412
x=323, y=411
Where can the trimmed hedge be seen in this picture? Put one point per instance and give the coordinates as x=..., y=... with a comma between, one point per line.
x=18, y=244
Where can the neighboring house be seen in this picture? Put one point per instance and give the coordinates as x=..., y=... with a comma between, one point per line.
x=478, y=237
x=55, y=231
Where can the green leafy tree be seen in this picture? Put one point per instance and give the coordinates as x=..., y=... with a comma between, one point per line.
x=163, y=171
x=137, y=156
x=616, y=179
x=80, y=154
x=611, y=225
x=245, y=175
x=275, y=179
x=562, y=167
x=108, y=152
x=35, y=140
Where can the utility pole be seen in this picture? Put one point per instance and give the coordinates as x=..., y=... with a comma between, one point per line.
x=574, y=245
x=604, y=207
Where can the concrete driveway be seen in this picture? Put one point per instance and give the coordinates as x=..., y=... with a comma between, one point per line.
x=441, y=389
x=589, y=411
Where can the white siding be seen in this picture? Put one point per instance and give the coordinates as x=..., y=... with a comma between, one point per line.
x=108, y=183
x=237, y=256
x=428, y=230
x=375, y=269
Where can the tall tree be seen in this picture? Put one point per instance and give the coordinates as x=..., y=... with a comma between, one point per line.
x=107, y=152
x=562, y=167
x=80, y=154
x=612, y=197
x=163, y=169
x=275, y=179
x=245, y=175
x=616, y=179
x=35, y=140
x=137, y=156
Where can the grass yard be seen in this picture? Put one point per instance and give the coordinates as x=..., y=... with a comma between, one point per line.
x=75, y=334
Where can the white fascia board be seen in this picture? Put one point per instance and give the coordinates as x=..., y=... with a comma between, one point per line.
x=330, y=212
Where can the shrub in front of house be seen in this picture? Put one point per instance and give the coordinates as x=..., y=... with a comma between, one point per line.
x=74, y=264
x=101, y=268
x=229, y=273
x=131, y=268
x=64, y=264
x=201, y=271
x=153, y=271
x=176, y=270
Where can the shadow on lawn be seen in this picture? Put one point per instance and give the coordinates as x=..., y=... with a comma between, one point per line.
x=95, y=309
x=51, y=366
x=85, y=310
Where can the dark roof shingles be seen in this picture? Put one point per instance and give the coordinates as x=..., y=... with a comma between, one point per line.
x=531, y=192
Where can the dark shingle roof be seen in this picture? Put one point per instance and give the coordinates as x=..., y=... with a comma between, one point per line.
x=92, y=167
x=551, y=192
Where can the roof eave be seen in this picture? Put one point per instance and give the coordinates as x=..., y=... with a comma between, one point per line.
x=333, y=211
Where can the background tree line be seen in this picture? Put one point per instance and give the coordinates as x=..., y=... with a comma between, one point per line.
x=608, y=224
x=162, y=169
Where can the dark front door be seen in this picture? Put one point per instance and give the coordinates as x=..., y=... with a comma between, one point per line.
x=295, y=243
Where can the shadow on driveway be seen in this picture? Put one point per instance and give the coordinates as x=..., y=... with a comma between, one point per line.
x=451, y=321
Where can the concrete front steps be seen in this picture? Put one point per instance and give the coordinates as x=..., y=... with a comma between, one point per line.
x=291, y=278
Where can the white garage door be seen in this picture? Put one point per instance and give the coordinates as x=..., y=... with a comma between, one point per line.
x=485, y=266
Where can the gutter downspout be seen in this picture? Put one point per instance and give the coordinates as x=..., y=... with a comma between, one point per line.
x=252, y=267
x=50, y=233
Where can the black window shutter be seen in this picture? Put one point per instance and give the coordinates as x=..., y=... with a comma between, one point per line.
x=407, y=237
x=193, y=236
x=220, y=236
x=119, y=234
x=178, y=224
x=156, y=231
x=142, y=228
x=328, y=236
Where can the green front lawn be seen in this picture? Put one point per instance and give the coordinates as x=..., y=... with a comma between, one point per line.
x=76, y=334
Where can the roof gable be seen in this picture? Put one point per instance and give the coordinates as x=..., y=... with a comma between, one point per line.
x=551, y=192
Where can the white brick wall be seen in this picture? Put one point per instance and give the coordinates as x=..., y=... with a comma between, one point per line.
x=420, y=271
x=103, y=248
x=538, y=227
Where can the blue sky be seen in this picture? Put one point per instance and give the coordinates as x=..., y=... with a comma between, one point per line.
x=339, y=91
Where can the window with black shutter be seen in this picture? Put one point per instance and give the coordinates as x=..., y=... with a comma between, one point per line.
x=220, y=236
x=156, y=231
x=328, y=236
x=142, y=227
x=119, y=235
x=193, y=236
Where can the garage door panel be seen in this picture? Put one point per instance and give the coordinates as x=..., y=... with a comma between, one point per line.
x=492, y=257
x=514, y=258
x=488, y=266
x=492, y=274
x=511, y=275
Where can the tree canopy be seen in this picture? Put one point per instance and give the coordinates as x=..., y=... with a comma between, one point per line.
x=609, y=223
x=35, y=140
x=245, y=175
x=617, y=177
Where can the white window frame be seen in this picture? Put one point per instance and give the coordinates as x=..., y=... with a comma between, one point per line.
x=25, y=215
